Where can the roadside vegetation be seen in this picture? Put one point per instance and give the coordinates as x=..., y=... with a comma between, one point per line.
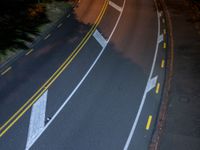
x=21, y=21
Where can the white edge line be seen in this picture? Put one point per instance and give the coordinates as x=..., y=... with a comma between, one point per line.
x=145, y=92
x=79, y=84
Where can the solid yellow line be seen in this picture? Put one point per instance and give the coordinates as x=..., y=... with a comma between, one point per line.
x=30, y=51
x=163, y=63
x=8, y=69
x=149, y=122
x=164, y=45
x=157, y=88
x=54, y=76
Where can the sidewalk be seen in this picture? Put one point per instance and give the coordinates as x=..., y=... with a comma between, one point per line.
x=181, y=130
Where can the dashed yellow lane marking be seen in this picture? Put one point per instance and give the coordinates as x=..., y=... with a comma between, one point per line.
x=157, y=88
x=163, y=20
x=162, y=63
x=30, y=51
x=4, y=72
x=164, y=45
x=47, y=36
x=149, y=122
x=164, y=31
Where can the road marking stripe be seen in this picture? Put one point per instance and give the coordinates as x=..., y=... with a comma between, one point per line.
x=163, y=20
x=164, y=31
x=160, y=38
x=163, y=63
x=30, y=51
x=157, y=88
x=4, y=72
x=100, y=39
x=115, y=6
x=37, y=120
x=15, y=117
x=152, y=83
x=47, y=36
x=164, y=45
x=145, y=92
x=149, y=122
x=80, y=83
x=59, y=25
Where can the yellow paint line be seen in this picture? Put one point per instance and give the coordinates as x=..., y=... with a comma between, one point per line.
x=12, y=120
x=4, y=72
x=163, y=63
x=164, y=45
x=30, y=51
x=149, y=122
x=157, y=88
x=47, y=36
x=164, y=31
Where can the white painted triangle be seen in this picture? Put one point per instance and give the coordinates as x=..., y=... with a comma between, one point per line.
x=37, y=120
x=152, y=83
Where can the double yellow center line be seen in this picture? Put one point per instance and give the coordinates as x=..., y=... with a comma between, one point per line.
x=17, y=115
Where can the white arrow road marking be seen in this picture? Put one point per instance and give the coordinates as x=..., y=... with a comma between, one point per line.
x=102, y=41
x=37, y=120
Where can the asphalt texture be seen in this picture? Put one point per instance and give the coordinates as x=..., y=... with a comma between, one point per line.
x=101, y=112
x=182, y=128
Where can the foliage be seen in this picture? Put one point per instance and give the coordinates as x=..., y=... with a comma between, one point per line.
x=17, y=21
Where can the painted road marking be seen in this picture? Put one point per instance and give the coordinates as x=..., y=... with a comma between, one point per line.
x=149, y=122
x=164, y=45
x=30, y=51
x=25, y=107
x=115, y=6
x=152, y=83
x=101, y=40
x=163, y=20
x=160, y=38
x=164, y=31
x=145, y=92
x=157, y=88
x=4, y=72
x=47, y=36
x=37, y=120
x=59, y=25
x=163, y=63
x=82, y=80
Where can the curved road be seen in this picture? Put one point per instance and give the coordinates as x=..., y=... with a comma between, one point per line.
x=94, y=82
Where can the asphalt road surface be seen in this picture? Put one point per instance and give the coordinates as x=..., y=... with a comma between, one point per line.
x=93, y=83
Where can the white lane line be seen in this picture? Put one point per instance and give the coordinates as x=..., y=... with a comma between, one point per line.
x=47, y=36
x=82, y=80
x=37, y=120
x=102, y=41
x=115, y=6
x=59, y=25
x=152, y=83
x=146, y=89
x=160, y=38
